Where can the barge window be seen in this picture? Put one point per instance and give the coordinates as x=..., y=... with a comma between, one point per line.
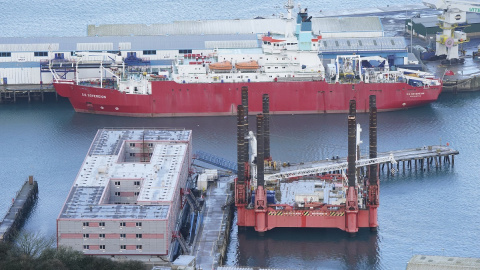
x=40, y=53
x=5, y=54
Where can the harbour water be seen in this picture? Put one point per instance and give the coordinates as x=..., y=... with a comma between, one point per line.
x=432, y=212
x=70, y=18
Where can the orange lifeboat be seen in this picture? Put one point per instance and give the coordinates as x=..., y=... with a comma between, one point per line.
x=225, y=65
x=247, y=65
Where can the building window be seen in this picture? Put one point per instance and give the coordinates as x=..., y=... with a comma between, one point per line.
x=86, y=224
x=40, y=53
x=117, y=183
x=101, y=224
x=138, y=224
x=132, y=144
x=139, y=247
x=123, y=246
x=136, y=183
x=122, y=224
x=102, y=247
x=86, y=235
x=132, y=154
x=102, y=235
x=139, y=235
x=117, y=193
x=122, y=235
x=86, y=246
x=150, y=144
x=151, y=52
x=5, y=54
x=137, y=193
x=184, y=51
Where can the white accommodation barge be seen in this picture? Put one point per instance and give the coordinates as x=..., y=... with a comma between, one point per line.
x=125, y=200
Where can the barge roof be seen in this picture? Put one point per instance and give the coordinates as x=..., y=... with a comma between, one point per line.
x=108, y=161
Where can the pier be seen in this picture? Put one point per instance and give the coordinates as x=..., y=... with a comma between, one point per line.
x=10, y=93
x=212, y=241
x=19, y=210
x=420, y=158
x=426, y=157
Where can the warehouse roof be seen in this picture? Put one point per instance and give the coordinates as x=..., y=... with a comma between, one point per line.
x=114, y=43
x=362, y=44
x=249, y=26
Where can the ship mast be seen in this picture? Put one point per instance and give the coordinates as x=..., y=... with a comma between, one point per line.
x=288, y=26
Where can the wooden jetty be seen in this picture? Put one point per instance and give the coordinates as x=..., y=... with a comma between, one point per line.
x=10, y=93
x=19, y=210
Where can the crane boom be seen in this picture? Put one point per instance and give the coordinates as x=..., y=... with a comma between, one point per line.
x=328, y=168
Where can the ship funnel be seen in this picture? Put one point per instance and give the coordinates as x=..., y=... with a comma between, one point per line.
x=373, y=139
x=266, y=125
x=240, y=145
x=260, y=151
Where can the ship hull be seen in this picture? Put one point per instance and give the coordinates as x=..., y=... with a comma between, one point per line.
x=169, y=98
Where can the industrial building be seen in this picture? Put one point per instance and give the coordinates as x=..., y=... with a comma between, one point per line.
x=426, y=27
x=126, y=198
x=331, y=27
x=28, y=60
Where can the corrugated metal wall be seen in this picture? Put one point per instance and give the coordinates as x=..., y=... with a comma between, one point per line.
x=358, y=26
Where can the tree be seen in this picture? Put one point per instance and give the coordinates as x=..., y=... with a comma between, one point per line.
x=32, y=244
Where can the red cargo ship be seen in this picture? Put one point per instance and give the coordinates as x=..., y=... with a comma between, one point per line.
x=287, y=68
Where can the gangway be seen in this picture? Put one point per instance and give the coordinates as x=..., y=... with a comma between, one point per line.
x=216, y=161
